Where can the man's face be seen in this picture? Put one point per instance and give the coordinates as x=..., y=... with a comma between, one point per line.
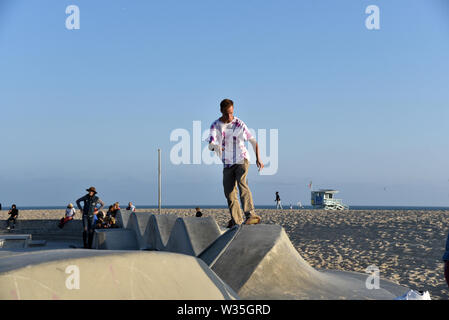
x=91, y=193
x=228, y=114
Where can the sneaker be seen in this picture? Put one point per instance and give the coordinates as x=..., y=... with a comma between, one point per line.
x=253, y=220
x=8, y=228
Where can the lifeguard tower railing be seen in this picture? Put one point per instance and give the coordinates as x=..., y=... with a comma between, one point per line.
x=334, y=204
x=323, y=199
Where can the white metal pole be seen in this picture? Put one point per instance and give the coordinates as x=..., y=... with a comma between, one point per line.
x=159, y=180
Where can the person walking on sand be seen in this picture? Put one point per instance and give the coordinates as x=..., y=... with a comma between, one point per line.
x=14, y=214
x=91, y=202
x=226, y=138
x=446, y=261
x=278, y=201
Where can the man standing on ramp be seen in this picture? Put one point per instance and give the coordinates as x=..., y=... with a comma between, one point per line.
x=227, y=137
x=90, y=204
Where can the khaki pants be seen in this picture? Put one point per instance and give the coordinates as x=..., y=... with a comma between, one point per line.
x=234, y=176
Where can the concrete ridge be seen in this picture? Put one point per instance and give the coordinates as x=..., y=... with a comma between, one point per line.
x=191, y=235
x=187, y=235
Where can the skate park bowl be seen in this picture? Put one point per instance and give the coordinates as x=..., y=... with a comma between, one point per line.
x=257, y=261
x=104, y=274
x=251, y=262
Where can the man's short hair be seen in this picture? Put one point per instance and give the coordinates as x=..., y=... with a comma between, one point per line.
x=225, y=104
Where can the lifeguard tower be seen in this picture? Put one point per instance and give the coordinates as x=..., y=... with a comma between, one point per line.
x=324, y=199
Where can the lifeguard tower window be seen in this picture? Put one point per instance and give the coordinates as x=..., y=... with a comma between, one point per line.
x=330, y=195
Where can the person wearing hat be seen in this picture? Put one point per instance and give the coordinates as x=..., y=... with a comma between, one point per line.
x=91, y=201
x=69, y=214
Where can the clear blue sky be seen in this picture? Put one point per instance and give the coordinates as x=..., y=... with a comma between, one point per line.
x=363, y=111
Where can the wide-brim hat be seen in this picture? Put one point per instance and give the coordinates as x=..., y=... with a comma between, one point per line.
x=91, y=189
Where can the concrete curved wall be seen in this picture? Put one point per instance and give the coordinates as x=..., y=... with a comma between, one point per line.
x=108, y=275
x=260, y=262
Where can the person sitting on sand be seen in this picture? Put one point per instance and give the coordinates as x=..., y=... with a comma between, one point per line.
x=227, y=138
x=446, y=261
x=14, y=214
x=131, y=207
x=69, y=214
x=198, y=213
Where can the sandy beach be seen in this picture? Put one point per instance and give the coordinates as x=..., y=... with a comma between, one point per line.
x=406, y=245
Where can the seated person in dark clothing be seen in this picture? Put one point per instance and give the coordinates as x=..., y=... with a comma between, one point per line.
x=110, y=210
x=198, y=214
x=116, y=210
x=100, y=223
x=14, y=213
x=110, y=222
x=113, y=210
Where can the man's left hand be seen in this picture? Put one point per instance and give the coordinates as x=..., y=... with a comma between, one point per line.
x=259, y=164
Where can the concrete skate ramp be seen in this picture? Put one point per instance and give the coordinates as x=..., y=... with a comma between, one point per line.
x=260, y=262
x=123, y=218
x=186, y=235
x=191, y=235
x=138, y=222
x=159, y=229
x=115, y=239
x=107, y=275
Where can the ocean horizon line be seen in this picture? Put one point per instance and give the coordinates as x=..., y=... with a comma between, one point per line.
x=285, y=207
